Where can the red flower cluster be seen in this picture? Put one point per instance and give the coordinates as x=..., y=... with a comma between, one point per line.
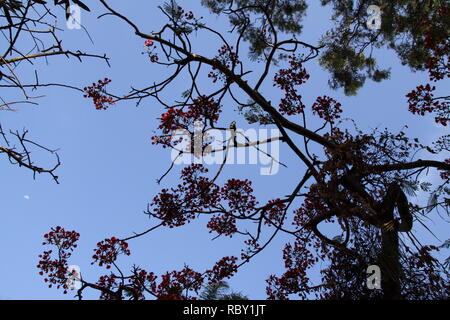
x=421, y=100
x=252, y=247
x=140, y=281
x=108, y=283
x=287, y=80
x=56, y=268
x=224, y=224
x=113, y=288
x=148, y=43
x=275, y=212
x=200, y=192
x=327, y=108
x=228, y=58
x=169, y=209
x=189, y=15
x=98, y=94
x=107, y=251
x=172, y=120
x=202, y=109
x=154, y=58
x=239, y=195
x=178, y=207
x=65, y=240
x=313, y=205
x=297, y=260
x=224, y=268
x=174, y=283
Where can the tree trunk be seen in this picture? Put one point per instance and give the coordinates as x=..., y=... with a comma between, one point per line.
x=390, y=258
x=390, y=265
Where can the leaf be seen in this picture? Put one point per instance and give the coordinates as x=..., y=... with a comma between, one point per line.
x=186, y=93
x=172, y=9
x=425, y=186
x=409, y=187
x=432, y=202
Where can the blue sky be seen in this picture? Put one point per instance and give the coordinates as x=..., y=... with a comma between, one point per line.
x=109, y=167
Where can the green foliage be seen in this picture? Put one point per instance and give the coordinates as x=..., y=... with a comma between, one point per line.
x=284, y=15
x=349, y=45
x=403, y=29
x=254, y=113
x=446, y=245
x=409, y=187
x=219, y=291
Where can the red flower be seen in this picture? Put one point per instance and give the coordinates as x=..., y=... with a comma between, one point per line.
x=287, y=80
x=107, y=251
x=97, y=92
x=148, y=43
x=421, y=100
x=327, y=108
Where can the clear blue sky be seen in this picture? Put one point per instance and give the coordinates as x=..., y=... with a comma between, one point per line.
x=109, y=167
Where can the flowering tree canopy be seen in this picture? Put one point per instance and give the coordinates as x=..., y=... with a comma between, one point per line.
x=357, y=180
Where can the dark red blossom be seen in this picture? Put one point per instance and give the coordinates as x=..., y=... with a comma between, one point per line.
x=107, y=251
x=176, y=285
x=54, y=265
x=239, y=195
x=202, y=109
x=287, y=80
x=223, y=269
x=189, y=15
x=252, y=247
x=227, y=58
x=297, y=259
x=182, y=13
x=150, y=50
x=422, y=100
x=108, y=284
x=179, y=205
x=327, y=108
x=98, y=95
x=154, y=58
x=140, y=282
x=275, y=212
x=148, y=43
x=223, y=224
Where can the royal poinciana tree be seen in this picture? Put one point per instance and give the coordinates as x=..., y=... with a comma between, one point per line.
x=357, y=180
